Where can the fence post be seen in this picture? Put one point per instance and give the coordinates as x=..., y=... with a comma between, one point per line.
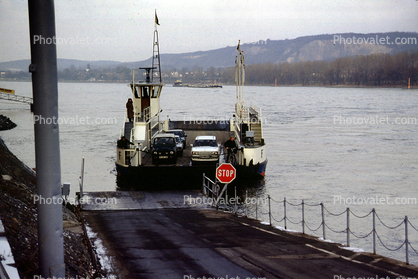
x=204, y=185
x=256, y=207
x=284, y=207
x=406, y=240
x=246, y=208
x=374, y=231
x=348, y=227
x=217, y=196
x=235, y=206
x=269, y=210
x=303, y=216
x=323, y=220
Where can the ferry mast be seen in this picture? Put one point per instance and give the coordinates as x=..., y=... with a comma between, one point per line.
x=240, y=80
x=156, y=68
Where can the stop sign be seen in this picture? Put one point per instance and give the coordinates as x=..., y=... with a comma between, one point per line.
x=225, y=173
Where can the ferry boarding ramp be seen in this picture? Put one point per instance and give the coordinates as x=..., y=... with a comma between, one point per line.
x=165, y=237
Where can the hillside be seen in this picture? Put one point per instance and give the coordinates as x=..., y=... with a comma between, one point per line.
x=308, y=48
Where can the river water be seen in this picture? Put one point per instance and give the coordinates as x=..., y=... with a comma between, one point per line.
x=344, y=147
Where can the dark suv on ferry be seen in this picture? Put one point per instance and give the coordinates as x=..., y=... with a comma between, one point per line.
x=164, y=149
x=181, y=134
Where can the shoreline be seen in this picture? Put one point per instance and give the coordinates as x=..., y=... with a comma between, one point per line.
x=18, y=213
x=413, y=87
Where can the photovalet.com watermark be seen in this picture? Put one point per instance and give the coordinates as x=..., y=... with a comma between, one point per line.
x=41, y=40
x=85, y=200
x=369, y=277
x=374, y=200
x=191, y=119
x=219, y=277
x=374, y=40
x=190, y=200
x=74, y=120
x=374, y=120
x=76, y=277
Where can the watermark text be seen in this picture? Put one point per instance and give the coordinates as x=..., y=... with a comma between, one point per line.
x=374, y=120
x=77, y=120
x=374, y=200
x=374, y=40
x=41, y=40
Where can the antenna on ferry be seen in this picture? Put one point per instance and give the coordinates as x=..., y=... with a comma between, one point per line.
x=239, y=79
x=156, y=52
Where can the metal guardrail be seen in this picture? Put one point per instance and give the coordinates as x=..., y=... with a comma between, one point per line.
x=253, y=211
x=16, y=98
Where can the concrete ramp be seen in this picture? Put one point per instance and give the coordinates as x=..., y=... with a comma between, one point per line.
x=135, y=200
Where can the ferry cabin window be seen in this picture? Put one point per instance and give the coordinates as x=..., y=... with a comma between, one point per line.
x=136, y=93
x=155, y=91
x=145, y=92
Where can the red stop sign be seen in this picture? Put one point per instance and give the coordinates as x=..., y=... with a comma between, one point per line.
x=225, y=173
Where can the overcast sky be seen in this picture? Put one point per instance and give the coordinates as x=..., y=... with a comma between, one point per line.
x=122, y=30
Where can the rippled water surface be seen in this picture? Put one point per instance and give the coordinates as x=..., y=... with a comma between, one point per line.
x=338, y=146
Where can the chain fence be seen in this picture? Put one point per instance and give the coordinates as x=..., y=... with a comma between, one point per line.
x=260, y=208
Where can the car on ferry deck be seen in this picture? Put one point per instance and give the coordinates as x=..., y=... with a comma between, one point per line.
x=205, y=149
x=164, y=148
x=179, y=145
x=180, y=133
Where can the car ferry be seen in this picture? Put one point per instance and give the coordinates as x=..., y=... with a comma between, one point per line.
x=143, y=163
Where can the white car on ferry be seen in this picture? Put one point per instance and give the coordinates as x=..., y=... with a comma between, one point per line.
x=205, y=149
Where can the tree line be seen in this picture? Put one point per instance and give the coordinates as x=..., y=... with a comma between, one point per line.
x=367, y=70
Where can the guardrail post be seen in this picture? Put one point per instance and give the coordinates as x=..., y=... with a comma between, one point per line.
x=303, y=216
x=246, y=208
x=269, y=209
x=235, y=206
x=81, y=183
x=323, y=221
x=256, y=207
x=374, y=231
x=284, y=218
x=204, y=185
x=406, y=240
x=348, y=227
x=217, y=197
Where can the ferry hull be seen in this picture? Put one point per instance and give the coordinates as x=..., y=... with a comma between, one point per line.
x=171, y=177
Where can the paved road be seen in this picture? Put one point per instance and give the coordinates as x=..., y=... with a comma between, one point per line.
x=200, y=243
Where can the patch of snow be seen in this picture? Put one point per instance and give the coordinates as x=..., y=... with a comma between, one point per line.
x=326, y=240
x=106, y=261
x=283, y=229
x=6, y=177
x=353, y=249
x=7, y=259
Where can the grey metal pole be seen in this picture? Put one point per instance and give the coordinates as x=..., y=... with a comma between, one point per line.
x=348, y=227
x=374, y=231
x=323, y=221
x=269, y=210
x=285, y=217
x=45, y=108
x=406, y=240
x=303, y=216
